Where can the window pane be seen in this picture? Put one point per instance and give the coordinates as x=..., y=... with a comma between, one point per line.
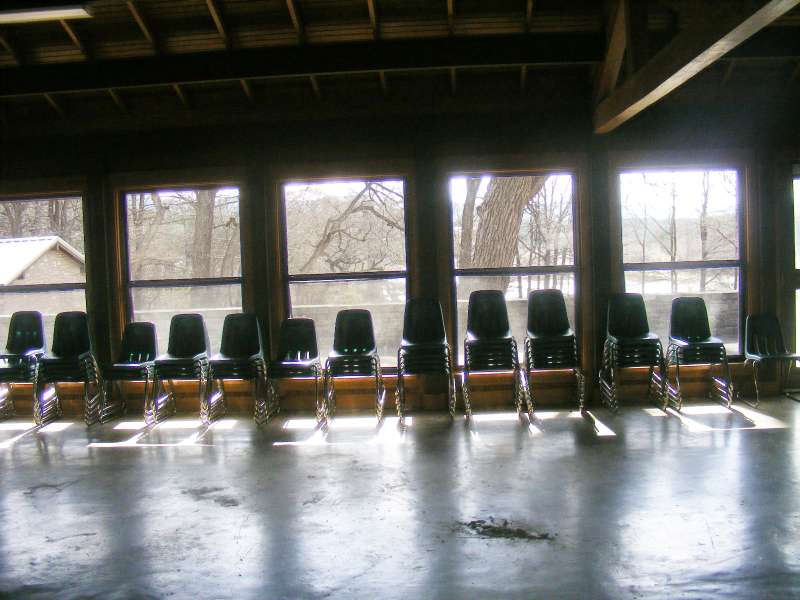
x=47, y=303
x=157, y=305
x=718, y=287
x=679, y=215
x=384, y=298
x=516, y=291
x=508, y=221
x=41, y=241
x=192, y=233
x=345, y=226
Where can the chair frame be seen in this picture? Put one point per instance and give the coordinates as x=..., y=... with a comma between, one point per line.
x=400, y=391
x=27, y=365
x=47, y=408
x=785, y=363
x=330, y=386
x=577, y=372
x=521, y=390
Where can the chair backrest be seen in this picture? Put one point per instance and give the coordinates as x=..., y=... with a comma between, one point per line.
x=71, y=334
x=423, y=322
x=298, y=340
x=487, y=316
x=627, y=316
x=354, y=333
x=547, y=313
x=25, y=333
x=187, y=336
x=689, y=319
x=241, y=336
x=139, y=343
x=763, y=335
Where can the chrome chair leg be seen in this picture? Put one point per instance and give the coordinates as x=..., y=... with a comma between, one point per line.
x=6, y=401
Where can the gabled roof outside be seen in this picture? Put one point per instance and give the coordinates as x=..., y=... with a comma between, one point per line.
x=18, y=254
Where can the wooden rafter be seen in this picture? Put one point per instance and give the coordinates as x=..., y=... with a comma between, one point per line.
x=692, y=50
x=451, y=15
x=529, y=10
x=297, y=21
x=216, y=16
x=615, y=52
x=146, y=30
x=373, y=18
x=728, y=72
x=384, y=82
x=117, y=99
x=315, y=86
x=176, y=87
x=248, y=90
x=55, y=105
x=73, y=35
x=10, y=48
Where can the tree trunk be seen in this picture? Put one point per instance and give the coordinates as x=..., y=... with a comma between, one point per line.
x=467, y=223
x=203, y=231
x=500, y=217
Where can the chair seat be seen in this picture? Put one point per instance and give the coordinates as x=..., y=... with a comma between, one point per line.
x=226, y=367
x=127, y=371
x=343, y=365
x=168, y=367
x=552, y=351
x=67, y=369
x=490, y=356
x=424, y=358
x=706, y=350
x=285, y=369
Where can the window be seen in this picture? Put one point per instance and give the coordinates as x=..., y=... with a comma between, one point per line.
x=512, y=233
x=680, y=237
x=42, y=264
x=184, y=255
x=346, y=249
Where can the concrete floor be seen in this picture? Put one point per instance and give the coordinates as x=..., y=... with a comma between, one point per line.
x=637, y=505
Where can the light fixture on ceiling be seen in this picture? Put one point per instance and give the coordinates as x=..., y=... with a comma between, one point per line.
x=37, y=12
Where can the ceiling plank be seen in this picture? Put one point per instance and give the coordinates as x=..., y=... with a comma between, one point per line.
x=692, y=50
x=297, y=21
x=453, y=81
x=615, y=53
x=10, y=48
x=117, y=99
x=138, y=16
x=431, y=54
x=373, y=19
x=728, y=72
x=55, y=105
x=73, y=35
x=216, y=16
x=523, y=77
x=248, y=90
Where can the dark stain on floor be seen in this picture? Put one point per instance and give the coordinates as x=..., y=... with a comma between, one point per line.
x=211, y=493
x=503, y=529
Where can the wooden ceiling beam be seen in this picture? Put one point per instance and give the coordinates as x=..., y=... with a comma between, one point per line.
x=248, y=90
x=696, y=47
x=216, y=16
x=315, y=86
x=55, y=105
x=11, y=49
x=384, y=82
x=144, y=27
x=529, y=10
x=615, y=52
x=297, y=21
x=73, y=35
x=431, y=54
x=451, y=16
x=117, y=99
x=373, y=19
x=179, y=92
